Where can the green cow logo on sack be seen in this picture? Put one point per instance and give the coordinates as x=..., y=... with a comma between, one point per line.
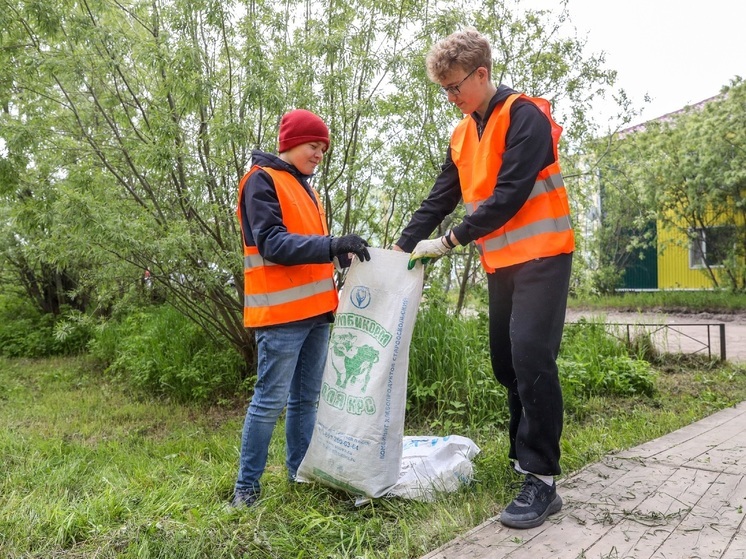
x=353, y=359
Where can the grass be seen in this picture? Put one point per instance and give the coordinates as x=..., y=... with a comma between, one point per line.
x=91, y=470
x=667, y=301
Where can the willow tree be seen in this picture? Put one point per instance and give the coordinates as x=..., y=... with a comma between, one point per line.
x=128, y=124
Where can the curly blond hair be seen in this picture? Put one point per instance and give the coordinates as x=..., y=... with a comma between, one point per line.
x=467, y=49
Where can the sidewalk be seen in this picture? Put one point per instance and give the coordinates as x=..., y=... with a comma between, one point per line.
x=682, y=496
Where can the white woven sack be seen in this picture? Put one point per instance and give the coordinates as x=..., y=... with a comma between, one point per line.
x=434, y=465
x=357, y=440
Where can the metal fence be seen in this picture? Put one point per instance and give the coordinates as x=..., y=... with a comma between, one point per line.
x=691, y=339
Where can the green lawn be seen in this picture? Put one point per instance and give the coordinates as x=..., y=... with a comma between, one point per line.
x=90, y=470
x=665, y=301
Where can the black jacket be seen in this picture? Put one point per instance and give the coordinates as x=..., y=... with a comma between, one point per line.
x=528, y=149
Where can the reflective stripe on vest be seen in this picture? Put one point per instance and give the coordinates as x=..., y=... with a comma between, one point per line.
x=255, y=261
x=278, y=294
x=542, y=226
x=288, y=295
x=548, y=225
x=552, y=182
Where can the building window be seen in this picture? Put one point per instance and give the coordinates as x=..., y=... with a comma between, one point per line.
x=711, y=246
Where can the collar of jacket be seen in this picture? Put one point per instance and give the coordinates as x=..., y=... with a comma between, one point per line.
x=502, y=93
x=264, y=159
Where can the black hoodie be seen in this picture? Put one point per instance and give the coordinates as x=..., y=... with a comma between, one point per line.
x=528, y=149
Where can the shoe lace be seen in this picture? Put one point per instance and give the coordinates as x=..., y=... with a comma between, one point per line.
x=528, y=492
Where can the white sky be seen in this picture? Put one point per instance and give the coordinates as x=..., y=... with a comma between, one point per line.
x=678, y=52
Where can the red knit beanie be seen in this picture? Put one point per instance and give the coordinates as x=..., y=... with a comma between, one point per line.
x=300, y=126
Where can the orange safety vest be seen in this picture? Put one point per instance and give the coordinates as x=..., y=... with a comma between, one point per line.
x=277, y=294
x=542, y=226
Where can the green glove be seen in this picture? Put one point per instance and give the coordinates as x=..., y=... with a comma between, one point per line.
x=412, y=263
x=427, y=250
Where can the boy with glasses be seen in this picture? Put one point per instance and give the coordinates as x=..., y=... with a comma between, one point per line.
x=502, y=161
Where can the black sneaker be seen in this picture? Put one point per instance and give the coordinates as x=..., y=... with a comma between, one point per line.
x=534, y=503
x=246, y=498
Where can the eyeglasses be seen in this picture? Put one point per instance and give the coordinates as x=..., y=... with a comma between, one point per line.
x=456, y=89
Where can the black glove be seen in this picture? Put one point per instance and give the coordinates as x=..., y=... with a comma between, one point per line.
x=340, y=246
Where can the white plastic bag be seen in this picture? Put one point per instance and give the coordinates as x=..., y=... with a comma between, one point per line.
x=433, y=465
x=357, y=440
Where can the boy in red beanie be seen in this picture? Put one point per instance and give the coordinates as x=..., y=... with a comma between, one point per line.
x=289, y=293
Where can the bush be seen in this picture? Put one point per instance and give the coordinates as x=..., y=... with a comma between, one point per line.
x=613, y=376
x=27, y=332
x=594, y=363
x=451, y=383
x=160, y=351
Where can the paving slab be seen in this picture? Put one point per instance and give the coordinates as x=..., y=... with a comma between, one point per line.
x=681, y=496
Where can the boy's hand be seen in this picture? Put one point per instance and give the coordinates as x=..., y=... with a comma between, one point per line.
x=427, y=250
x=341, y=246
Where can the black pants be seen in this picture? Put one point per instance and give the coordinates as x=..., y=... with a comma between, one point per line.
x=527, y=304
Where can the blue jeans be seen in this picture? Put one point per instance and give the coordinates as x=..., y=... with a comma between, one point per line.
x=290, y=365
